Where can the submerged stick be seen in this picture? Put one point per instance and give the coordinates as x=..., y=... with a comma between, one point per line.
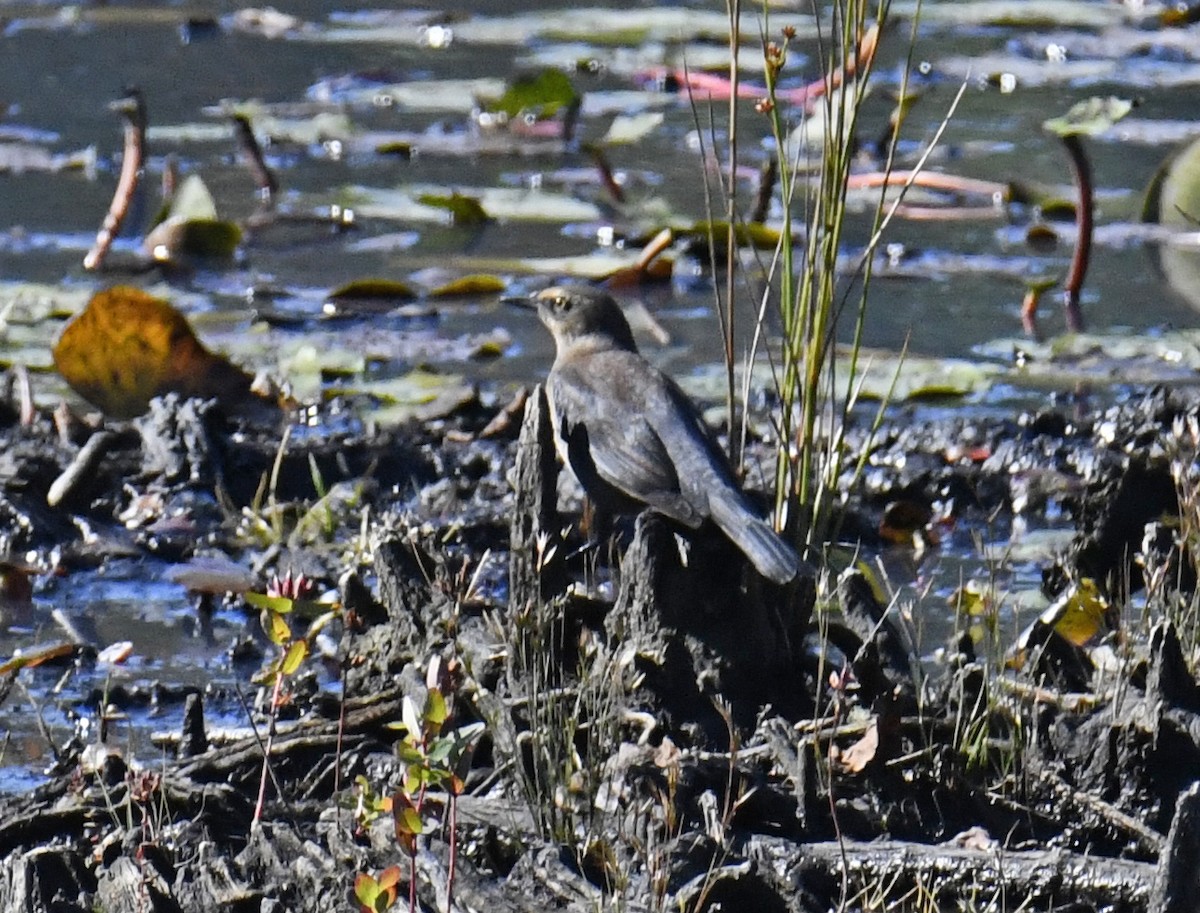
x=132, y=107
x=82, y=470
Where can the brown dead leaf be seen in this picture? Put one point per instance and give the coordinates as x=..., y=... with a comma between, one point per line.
x=126, y=347
x=854, y=760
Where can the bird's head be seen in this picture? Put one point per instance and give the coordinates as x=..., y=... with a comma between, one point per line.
x=577, y=313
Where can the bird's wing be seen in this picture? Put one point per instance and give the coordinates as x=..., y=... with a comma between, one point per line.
x=617, y=443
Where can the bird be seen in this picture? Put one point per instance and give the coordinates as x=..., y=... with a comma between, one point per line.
x=634, y=439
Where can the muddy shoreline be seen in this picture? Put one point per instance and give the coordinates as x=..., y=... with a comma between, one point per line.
x=727, y=742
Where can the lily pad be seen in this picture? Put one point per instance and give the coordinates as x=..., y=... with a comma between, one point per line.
x=1016, y=13
x=18, y=158
x=629, y=128
x=893, y=377
x=464, y=210
x=417, y=395
x=127, y=347
x=1090, y=117
x=374, y=289
x=542, y=94
x=205, y=238
x=191, y=228
x=502, y=203
x=451, y=95
x=1173, y=198
x=475, y=285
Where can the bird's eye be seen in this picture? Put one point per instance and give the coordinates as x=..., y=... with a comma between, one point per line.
x=562, y=304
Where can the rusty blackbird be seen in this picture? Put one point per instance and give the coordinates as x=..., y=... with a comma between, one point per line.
x=633, y=438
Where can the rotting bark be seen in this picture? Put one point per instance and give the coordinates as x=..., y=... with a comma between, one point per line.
x=536, y=560
x=1038, y=877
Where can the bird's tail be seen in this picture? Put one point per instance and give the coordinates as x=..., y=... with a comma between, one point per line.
x=770, y=555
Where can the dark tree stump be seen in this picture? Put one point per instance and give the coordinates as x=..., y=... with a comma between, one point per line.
x=1177, y=879
x=536, y=568
x=712, y=628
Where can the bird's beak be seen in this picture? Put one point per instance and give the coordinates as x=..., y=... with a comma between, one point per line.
x=525, y=302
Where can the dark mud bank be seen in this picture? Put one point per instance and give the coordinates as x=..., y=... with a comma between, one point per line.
x=672, y=736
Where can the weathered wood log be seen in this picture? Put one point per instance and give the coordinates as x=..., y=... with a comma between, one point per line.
x=1038, y=878
x=536, y=566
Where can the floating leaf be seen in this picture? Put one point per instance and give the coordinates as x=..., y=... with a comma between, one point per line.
x=463, y=210
x=126, y=347
x=542, y=94
x=921, y=377
x=1174, y=195
x=629, y=128
x=418, y=394
x=207, y=238
x=267, y=22
x=18, y=158
x=192, y=201
x=366, y=298
x=453, y=95
x=748, y=234
x=430, y=203
x=1090, y=117
x=190, y=227
x=1044, y=14
x=375, y=289
x=475, y=285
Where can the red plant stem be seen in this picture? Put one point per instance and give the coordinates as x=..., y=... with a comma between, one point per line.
x=607, y=179
x=719, y=87
x=933, y=180
x=768, y=177
x=341, y=732
x=262, y=780
x=133, y=107
x=453, y=798
x=1084, y=216
x=252, y=154
x=1029, y=306
x=412, y=881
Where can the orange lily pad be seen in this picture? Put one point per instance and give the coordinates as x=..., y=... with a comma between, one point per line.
x=126, y=347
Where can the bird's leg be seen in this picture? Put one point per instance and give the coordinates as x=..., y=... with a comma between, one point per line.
x=595, y=527
x=596, y=524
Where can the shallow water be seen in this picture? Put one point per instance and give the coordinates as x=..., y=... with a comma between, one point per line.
x=950, y=288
